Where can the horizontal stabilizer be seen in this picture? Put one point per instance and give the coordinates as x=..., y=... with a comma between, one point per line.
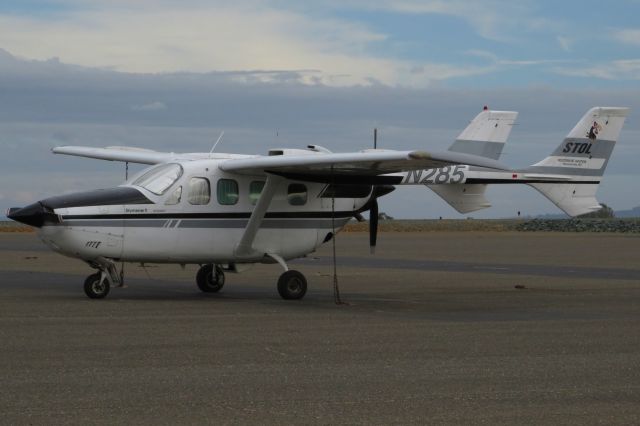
x=573, y=199
x=465, y=198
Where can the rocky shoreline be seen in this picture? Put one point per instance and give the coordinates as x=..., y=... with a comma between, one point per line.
x=581, y=225
x=631, y=225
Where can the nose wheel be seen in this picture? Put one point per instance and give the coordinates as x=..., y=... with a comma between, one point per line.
x=210, y=278
x=97, y=286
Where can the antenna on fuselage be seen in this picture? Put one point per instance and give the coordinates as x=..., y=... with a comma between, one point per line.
x=216, y=144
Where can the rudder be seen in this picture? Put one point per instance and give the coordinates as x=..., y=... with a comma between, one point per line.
x=485, y=136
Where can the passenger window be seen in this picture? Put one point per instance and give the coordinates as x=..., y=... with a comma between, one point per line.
x=174, y=198
x=199, y=191
x=297, y=194
x=255, y=189
x=227, y=192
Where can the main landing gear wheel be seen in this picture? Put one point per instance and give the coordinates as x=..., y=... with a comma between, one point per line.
x=95, y=287
x=292, y=285
x=210, y=278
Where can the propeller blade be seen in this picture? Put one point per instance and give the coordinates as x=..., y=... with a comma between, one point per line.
x=373, y=225
x=382, y=190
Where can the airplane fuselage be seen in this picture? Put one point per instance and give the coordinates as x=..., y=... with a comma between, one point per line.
x=199, y=213
x=200, y=218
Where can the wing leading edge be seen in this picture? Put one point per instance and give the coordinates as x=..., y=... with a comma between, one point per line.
x=117, y=153
x=139, y=155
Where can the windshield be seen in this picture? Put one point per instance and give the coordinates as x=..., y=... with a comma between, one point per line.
x=160, y=178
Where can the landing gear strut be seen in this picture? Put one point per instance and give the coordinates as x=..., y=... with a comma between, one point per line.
x=210, y=278
x=292, y=285
x=97, y=285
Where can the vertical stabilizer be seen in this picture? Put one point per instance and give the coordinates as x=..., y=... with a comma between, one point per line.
x=580, y=161
x=484, y=136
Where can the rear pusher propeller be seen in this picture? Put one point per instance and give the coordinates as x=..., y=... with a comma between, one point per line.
x=373, y=225
x=372, y=207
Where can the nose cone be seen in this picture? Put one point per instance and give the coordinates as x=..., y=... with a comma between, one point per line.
x=34, y=214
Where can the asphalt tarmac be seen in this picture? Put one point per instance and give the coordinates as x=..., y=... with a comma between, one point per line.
x=434, y=332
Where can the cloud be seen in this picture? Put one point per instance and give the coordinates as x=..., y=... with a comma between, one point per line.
x=623, y=69
x=151, y=106
x=217, y=37
x=334, y=42
x=627, y=36
x=97, y=95
x=502, y=63
x=498, y=20
x=484, y=18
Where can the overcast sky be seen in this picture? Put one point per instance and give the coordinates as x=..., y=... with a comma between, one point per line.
x=170, y=75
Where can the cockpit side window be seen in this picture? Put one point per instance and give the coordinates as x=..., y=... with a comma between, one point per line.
x=160, y=178
x=199, y=191
x=175, y=197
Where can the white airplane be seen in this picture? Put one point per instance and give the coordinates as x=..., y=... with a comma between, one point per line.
x=226, y=212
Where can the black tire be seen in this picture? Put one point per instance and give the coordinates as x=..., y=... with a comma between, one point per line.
x=292, y=285
x=210, y=278
x=95, y=289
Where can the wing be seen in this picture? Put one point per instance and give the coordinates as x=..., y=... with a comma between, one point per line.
x=355, y=167
x=117, y=153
